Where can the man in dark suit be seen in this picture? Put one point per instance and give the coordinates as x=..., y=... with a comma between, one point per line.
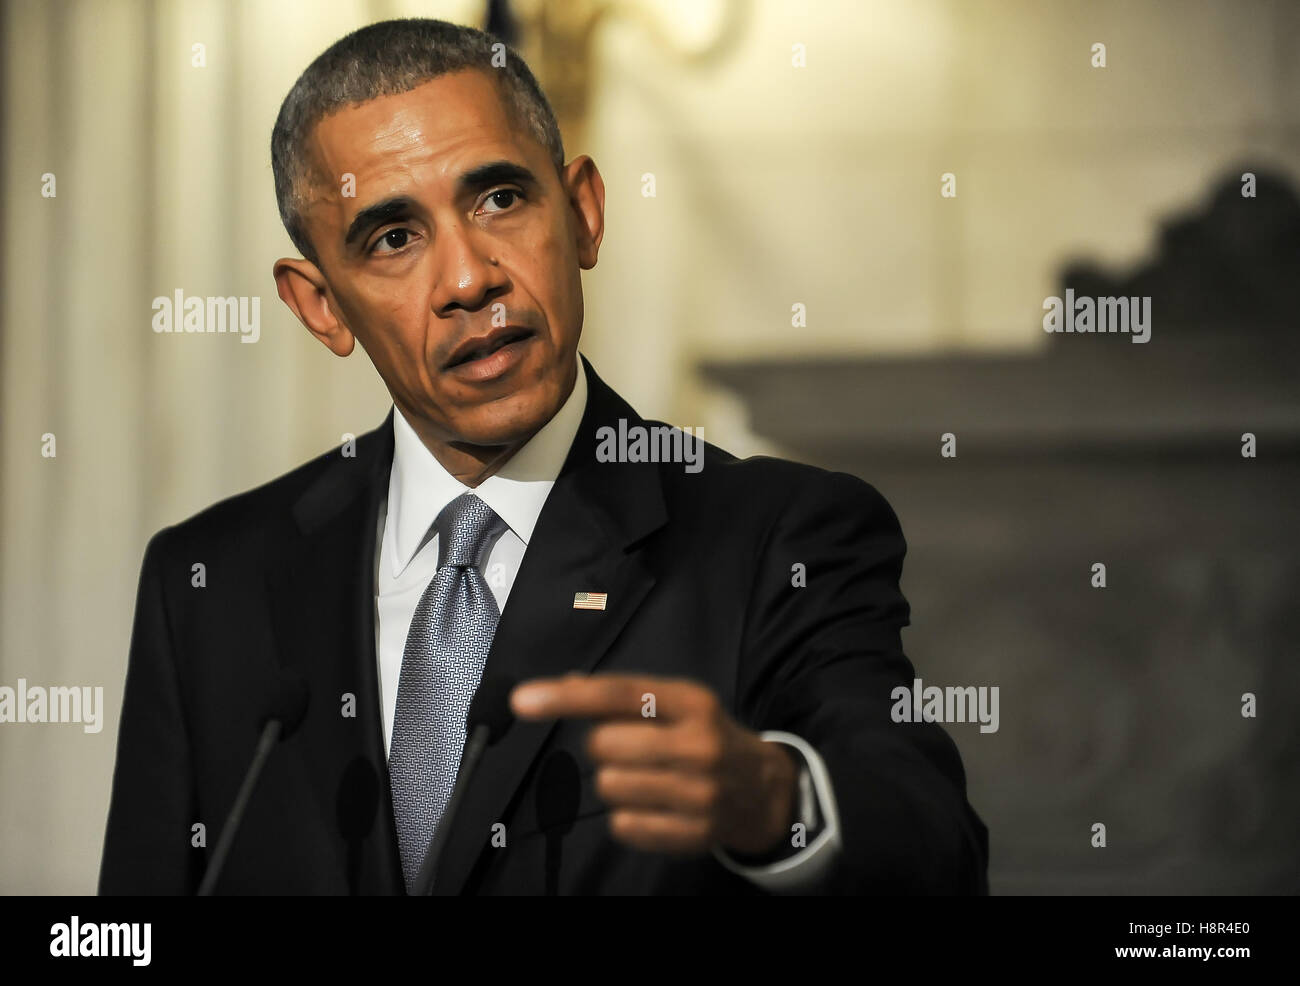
x=707, y=645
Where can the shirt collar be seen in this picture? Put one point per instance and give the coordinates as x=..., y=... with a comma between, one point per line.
x=419, y=487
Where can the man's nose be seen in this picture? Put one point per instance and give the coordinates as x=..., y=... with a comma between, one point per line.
x=467, y=276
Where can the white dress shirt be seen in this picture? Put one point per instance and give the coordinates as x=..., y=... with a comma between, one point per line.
x=407, y=559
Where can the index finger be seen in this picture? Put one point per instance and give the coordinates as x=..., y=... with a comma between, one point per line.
x=609, y=696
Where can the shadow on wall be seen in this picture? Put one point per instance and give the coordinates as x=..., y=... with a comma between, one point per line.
x=1230, y=267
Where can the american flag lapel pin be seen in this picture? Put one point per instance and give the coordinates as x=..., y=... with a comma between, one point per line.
x=589, y=600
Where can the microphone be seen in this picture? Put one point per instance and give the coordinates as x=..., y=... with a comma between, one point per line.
x=559, y=791
x=354, y=809
x=285, y=712
x=488, y=719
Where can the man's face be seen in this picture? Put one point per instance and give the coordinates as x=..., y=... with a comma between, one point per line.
x=456, y=264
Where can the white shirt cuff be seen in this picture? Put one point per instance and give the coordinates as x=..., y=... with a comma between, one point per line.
x=816, y=799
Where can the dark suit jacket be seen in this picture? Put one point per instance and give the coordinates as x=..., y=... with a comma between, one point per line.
x=698, y=571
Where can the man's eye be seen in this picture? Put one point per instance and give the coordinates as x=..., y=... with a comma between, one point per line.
x=393, y=240
x=502, y=199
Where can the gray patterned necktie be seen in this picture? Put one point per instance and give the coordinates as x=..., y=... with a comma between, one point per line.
x=446, y=648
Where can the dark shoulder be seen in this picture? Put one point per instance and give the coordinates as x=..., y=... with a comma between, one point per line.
x=265, y=514
x=758, y=488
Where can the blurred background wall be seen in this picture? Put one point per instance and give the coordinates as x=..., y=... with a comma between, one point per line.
x=775, y=184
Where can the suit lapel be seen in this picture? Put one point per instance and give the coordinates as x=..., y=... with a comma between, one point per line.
x=321, y=593
x=586, y=539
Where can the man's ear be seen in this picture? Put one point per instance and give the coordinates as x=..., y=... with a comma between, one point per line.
x=586, y=190
x=302, y=287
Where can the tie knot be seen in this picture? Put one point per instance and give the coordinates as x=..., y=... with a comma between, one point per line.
x=467, y=529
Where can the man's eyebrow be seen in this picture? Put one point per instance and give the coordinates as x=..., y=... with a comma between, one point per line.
x=495, y=173
x=381, y=212
x=399, y=206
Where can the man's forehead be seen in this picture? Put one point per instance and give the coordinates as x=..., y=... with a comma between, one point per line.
x=435, y=117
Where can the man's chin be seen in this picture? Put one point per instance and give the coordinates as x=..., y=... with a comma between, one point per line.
x=500, y=431
x=507, y=414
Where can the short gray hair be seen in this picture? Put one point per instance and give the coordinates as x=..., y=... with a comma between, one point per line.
x=385, y=59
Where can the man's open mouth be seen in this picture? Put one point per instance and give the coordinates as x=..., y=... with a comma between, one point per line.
x=476, y=349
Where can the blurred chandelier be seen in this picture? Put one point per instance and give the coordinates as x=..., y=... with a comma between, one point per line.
x=555, y=39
